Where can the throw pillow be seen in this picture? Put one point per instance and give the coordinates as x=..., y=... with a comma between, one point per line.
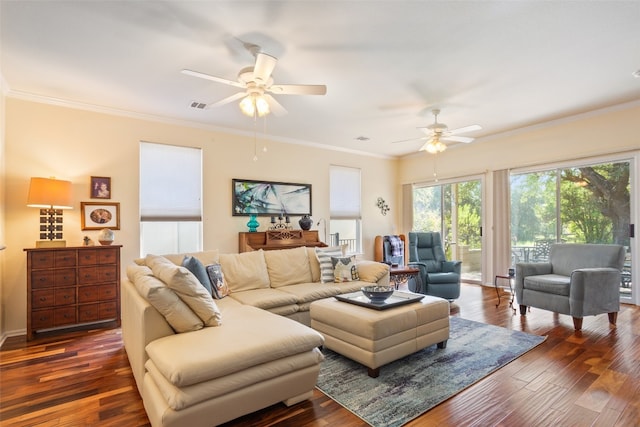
x=177, y=314
x=218, y=284
x=345, y=269
x=188, y=288
x=195, y=266
x=324, y=259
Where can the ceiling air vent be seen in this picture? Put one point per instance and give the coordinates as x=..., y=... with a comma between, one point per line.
x=198, y=105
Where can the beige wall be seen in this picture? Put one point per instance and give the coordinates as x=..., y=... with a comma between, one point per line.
x=49, y=140
x=2, y=205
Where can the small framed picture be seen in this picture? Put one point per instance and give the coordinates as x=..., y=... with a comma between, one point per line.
x=97, y=215
x=100, y=187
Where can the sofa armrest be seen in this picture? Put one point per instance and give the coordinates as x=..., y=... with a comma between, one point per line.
x=373, y=272
x=141, y=324
x=524, y=269
x=593, y=291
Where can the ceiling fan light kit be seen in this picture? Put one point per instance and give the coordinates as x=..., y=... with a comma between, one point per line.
x=257, y=84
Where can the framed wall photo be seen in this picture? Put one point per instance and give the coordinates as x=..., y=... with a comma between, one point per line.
x=268, y=198
x=98, y=215
x=100, y=187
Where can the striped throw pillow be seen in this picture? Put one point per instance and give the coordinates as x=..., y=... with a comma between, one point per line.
x=326, y=266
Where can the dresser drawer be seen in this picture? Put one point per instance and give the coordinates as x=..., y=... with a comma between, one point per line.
x=65, y=277
x=42, y=319
x=88, y=294
x=42, y=298
x=65, y=296
x=107, y=310
x=87, y=275
x=64, y=316
x=88, y=313
x=42, y=279
x=42, y=259
x=107, y=292
x=65, y=259
x=107, y=273
x=88, y=257
x=108, y=256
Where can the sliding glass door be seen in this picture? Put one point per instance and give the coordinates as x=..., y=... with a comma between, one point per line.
x=455, y=210
x=584, y=204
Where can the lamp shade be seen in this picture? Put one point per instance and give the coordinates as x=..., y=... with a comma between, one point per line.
x=50, y=193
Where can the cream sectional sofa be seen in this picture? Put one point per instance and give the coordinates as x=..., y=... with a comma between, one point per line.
x=262, y=350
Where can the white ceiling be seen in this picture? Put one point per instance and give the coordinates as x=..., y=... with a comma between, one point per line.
x=501, y=64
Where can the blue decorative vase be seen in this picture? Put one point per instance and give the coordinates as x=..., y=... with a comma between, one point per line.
x=253, y=223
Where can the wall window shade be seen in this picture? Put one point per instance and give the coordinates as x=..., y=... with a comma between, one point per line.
x=170, y=183
x=345, y=192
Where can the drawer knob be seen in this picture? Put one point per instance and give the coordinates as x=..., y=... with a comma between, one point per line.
x=43, y=299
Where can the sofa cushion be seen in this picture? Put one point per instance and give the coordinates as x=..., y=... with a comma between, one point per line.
x=307, y=292
x=218, y=283
x=344, y=269
x=324, y=259
x=188, y=288
x=245, y=271
x=197, y=268
x=549, y=284
x=288, y=266
x=371, y=271
x=266, y=298
x=314, y=265
x=252, y=337
x=178, y=314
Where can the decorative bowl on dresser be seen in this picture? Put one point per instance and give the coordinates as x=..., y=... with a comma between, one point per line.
x=72, y=286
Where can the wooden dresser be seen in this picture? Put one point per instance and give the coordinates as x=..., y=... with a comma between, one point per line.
x=277, y=239
x=72, y=286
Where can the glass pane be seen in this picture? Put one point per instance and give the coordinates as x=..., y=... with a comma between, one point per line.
x=533, y=215
x=345, y=232
x=170, y=237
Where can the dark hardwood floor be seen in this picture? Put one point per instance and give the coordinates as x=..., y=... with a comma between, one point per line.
x=572, y=379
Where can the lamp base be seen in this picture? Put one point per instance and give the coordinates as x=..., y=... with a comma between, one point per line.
x=51, y=243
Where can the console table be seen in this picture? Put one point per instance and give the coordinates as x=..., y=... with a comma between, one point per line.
x=277, y=239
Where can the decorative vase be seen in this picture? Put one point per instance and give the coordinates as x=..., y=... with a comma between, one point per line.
x=253, y=223
x=106, y=236
x=305, y=222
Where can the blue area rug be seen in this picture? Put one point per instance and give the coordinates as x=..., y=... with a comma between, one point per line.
x=411, y=386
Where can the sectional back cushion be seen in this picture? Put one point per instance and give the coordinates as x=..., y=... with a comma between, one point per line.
x=175, y=311
x=288, y=266
x=188, y=288
x=245, y=271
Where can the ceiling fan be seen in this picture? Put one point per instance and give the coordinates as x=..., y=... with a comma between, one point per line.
x=438, y=132
x=257, y=85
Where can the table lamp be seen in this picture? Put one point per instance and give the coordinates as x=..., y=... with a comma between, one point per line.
x=51, y=196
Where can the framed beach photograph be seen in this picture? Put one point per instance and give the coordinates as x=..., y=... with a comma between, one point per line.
x=100, y=187
x=269, y=198
x=99, y=215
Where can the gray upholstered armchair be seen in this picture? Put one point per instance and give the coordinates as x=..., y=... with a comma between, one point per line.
x=439, y=277
x=578, y=280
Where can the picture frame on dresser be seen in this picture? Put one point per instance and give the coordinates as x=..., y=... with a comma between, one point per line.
x=99, y=215
x=269, y=198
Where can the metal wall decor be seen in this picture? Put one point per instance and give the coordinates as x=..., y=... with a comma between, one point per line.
x=384, y=207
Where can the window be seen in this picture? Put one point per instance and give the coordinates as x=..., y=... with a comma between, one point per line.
x=344, y=223
x=170, y=199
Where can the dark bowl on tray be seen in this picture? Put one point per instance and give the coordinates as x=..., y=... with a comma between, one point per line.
x=377, y=294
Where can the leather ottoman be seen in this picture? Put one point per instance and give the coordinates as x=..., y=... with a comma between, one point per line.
x=377, y=337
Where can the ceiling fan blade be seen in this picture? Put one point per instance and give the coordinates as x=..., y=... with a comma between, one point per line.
x=298, y=89
x=213, y=78
x=274, y=105
x=264, y=67
x=227, y=99
x=469, y=128
x=464, y=139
